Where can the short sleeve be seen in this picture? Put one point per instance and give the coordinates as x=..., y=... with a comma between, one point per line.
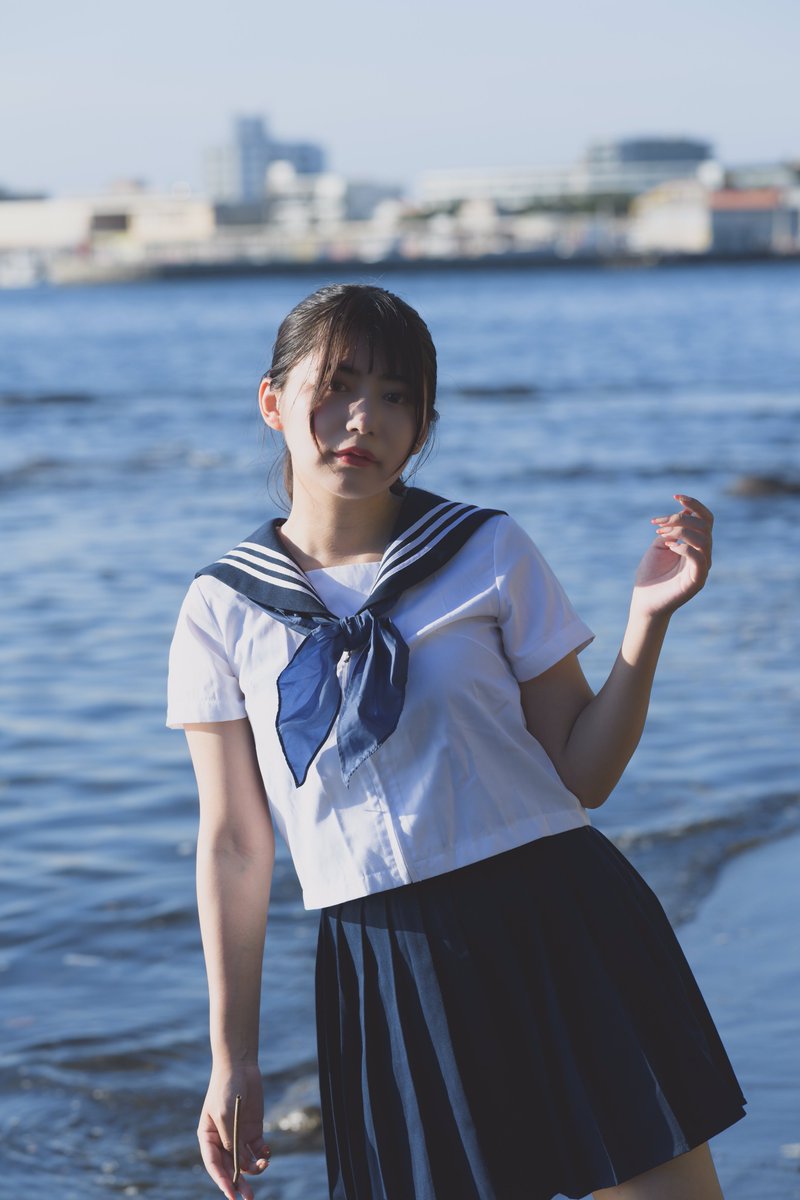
x=202, y=684
x=538, y=624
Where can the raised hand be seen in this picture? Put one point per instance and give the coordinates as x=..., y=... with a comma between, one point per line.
x=676, y=565
x=215, y=1129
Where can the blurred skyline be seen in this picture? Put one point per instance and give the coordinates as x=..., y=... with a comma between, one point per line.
x=388, y=93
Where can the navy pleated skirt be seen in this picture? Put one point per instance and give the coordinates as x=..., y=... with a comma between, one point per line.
x=520, y=1027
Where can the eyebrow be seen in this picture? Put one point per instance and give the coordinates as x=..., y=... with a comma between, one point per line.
x=349, y=370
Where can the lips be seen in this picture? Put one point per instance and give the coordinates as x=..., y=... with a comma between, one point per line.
x=356, y=455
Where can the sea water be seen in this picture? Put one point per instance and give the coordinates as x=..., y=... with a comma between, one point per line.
x=132, y=453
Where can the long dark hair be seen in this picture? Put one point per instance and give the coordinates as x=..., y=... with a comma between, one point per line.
x=332, y=320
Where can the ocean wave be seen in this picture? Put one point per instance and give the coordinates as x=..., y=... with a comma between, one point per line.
x=489, y=391
x=32, y=399
x=80, y=472
x=293, y=1124
x=32, y=471
x=640, y=386
x=531, y=472
x=682, y=861
x=76, y=472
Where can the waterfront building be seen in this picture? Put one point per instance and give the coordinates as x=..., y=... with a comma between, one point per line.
x=236, y=171
x=364, y=198
x=630, y=166
x=762, y=175
x=755, y=221
x=673, y=218
x=615, y=169
x=123, y=224
x=300, y=202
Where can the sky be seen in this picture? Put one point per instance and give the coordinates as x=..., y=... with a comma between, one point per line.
x=91, y=92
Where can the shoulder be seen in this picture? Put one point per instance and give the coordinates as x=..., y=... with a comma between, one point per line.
x=209, y=602
x=206, y=592
x=499, y=547
x=508, y=543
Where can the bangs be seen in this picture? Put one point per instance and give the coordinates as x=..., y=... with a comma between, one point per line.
x=373, y=320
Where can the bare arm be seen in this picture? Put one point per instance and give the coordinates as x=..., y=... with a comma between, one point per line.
x=235, y=856
x=591, y=738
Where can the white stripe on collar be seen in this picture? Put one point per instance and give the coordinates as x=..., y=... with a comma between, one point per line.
x=444, y=524
x=269, y=577
x=258, y=560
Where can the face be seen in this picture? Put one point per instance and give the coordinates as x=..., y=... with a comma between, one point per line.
x=357, y=439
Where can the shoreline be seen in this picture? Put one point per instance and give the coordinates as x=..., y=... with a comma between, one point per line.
x=744, y=947
x=78, y=271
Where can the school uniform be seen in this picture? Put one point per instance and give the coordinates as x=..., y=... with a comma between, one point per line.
x=503, y=1010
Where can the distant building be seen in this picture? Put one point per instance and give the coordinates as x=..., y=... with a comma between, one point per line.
x=754, y=221
x=673, y=218
x=135, y=221
x=762, y=175
x=363, y=198
x=513, y=188
x=623, y=168
x=299, y=202
x=8, y=194
x=236, y=171
x=630, y=166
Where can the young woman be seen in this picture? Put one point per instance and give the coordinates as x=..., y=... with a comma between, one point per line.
x=392, y=679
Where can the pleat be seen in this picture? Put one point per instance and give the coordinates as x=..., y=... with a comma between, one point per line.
x=406, y=1167
x=444, y=1145
x=524, y=1026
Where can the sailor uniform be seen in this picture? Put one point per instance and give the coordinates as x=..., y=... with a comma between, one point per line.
x=503, y=1011
x=457, y=777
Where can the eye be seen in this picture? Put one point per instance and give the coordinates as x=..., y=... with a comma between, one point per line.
x=397, y=397
x=337, y=385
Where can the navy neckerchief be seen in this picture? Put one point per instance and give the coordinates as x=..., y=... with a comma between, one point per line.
x=428, y=532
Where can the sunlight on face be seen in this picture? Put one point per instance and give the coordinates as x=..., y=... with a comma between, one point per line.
x=358, y=435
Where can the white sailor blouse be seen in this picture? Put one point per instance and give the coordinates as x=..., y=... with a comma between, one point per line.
x=390, y=737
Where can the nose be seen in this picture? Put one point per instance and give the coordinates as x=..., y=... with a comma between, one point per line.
x=362, y=415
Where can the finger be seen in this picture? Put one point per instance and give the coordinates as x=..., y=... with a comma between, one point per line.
x=684, y=516
x=256, y=1156
x=682, y=533
x=244, y=1190
x=697, y=557
x=695, y=506
x=219, y=1165
x=255, y=1166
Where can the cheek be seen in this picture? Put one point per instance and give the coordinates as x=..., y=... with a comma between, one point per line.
x=323, y=423
x=407, y=425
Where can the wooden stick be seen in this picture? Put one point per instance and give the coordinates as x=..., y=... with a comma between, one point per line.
x=236, y=1140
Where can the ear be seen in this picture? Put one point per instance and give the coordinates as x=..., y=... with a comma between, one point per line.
x=268, y=404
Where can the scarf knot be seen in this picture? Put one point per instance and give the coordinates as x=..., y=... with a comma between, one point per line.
x=310, y=692
x=355, y=630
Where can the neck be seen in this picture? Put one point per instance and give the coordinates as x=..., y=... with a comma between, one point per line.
x=340, y=530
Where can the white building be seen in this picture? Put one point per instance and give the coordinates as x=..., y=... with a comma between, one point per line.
x=134, y=220
x=301, y=201
x=622, y=168
x=674, y=218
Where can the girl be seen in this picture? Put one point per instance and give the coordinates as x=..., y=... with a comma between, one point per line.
x=503, y=1012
